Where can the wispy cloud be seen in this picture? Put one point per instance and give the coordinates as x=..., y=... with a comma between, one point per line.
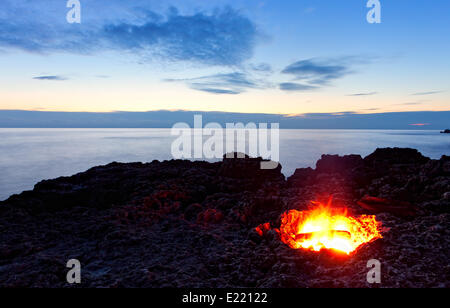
x=218, y=91
x=221, y=37
x=261, y=68
x=227, y=83
x=317, y=73
x=324, y=115
x=51, y=78
x=363, y=94
x=307, y=75
x=370, y=109
x=413, y=103
x=224, y=37
x=427, y=93
x=292, y=86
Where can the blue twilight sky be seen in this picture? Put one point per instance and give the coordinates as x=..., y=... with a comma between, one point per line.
x=253, y=56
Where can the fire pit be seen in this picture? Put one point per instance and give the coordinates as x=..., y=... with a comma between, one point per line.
x=324, y=227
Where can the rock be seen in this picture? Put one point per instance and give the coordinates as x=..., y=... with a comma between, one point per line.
x=210, y=216
x=338, y=164
x=390, y=156
x=446, y=196
x=380, y=205
x=192, y=210
x=238, y=165
x=302, y=177
x=437, y=167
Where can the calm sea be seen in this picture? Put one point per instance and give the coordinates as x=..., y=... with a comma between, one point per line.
x=28, y=156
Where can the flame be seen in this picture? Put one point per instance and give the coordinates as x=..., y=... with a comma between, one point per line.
x=325, y=227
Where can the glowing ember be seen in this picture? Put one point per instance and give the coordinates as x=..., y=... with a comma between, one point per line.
x=262, y=228
x=325, y=227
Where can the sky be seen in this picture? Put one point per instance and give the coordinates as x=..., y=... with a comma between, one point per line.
x=250, y=56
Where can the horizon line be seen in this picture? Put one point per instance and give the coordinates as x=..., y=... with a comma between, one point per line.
x=287, y=115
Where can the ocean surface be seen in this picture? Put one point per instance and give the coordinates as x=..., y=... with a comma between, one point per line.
x=28, y=156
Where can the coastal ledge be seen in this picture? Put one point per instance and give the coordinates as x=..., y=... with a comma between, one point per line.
x=192, y=224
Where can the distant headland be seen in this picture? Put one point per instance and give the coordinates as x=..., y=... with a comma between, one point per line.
x=434, y=120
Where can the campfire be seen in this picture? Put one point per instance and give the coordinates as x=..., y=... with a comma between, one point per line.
x=329, y=228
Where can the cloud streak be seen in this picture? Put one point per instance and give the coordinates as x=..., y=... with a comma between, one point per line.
x=363, y=94
x=312, y=74
x=317, y=72
x=50, y=78
x=426, y=93
x=292, y=86
x=227, y=83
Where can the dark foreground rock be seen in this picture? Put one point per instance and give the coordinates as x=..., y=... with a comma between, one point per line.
x=192, y=224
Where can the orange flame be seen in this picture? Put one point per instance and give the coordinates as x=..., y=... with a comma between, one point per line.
x=324, y=227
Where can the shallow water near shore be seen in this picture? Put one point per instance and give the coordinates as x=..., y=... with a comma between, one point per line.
x=31, y=155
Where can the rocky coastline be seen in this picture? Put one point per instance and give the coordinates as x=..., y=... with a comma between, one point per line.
x=192, y=224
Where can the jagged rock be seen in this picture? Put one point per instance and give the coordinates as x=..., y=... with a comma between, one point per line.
x=302, y=177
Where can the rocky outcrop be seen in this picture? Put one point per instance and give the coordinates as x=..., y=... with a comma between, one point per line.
x=393, y=156
x=197, y=224
x=338, y=164
x=241, y=166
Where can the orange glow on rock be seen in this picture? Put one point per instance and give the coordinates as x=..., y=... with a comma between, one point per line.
x=262, y=228
x=325, y=227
